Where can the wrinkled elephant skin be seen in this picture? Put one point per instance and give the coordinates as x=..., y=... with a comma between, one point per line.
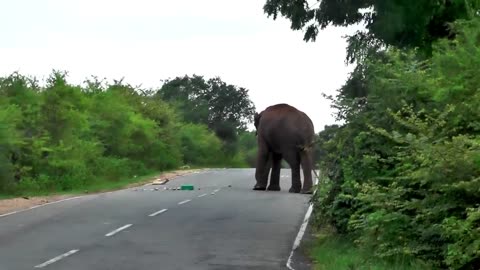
x=283, y=132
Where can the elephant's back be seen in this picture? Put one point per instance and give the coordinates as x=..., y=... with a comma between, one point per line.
x=283, y=125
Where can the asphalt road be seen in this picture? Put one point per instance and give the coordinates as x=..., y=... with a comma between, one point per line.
x=222, y=224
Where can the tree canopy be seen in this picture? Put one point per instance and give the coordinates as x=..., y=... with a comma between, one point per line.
x=226, y=109
x=403, y=24
x=60, y=136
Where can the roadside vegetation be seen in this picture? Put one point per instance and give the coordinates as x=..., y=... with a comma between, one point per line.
x=330, y=250
x=58, y=137
x=401, y=176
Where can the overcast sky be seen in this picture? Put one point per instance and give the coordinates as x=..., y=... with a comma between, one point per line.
x=146, y=41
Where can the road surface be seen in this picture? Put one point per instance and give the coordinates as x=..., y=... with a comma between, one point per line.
x=222, y=224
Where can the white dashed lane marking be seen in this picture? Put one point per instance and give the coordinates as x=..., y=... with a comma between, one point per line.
x=215, y=191
x=158, y=212
x=118, y=230
x=183, y=202
x=56, y=259
x=71, y=252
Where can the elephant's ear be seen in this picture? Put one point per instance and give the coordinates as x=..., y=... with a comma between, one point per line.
x=256, y=119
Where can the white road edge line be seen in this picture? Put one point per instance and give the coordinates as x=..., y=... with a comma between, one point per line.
x=158, y=212
x=40, y=205
x=118, y=230
x=183, y=202
x=216, y=190
x=56, y=259
x=203, y=195
x=301, y=232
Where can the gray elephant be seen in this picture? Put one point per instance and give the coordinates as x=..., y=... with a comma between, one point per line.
x=283, y=132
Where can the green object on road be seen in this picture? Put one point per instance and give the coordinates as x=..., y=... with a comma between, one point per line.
x=187, y=187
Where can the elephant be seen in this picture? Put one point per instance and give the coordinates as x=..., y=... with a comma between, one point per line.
x=284, y=132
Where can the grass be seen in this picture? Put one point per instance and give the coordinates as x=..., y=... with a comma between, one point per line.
x=5, y=196
x=95, y=187
x=102, y=186
x=329, y=251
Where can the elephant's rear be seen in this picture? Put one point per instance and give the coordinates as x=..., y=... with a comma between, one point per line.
x=283, y=125
x=287, y=133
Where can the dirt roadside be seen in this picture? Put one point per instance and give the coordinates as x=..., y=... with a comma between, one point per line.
x=17, y=204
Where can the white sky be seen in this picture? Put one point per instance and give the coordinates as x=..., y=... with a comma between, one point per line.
x=146, y=41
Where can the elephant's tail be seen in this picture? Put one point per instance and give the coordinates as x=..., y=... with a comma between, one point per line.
x=307, y=147
x=306, y=156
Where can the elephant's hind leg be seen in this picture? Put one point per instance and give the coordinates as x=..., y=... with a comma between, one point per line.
x=275, y=174
x=262, y=169
x=293, y=160
x=307, y=167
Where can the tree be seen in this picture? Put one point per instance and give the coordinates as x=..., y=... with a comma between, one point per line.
x=200, y=146
x=59, y=136
x=224, y=108
x=403, y=24
x=401, y=174
x=248, y=147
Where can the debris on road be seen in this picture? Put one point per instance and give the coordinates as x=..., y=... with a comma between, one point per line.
x=19, y=203
x=160, y=181
x=187, y=187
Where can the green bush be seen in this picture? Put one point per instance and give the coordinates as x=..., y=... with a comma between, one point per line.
x=402, y=176
x=200, y=146
x=10, y=115
x=61, y=137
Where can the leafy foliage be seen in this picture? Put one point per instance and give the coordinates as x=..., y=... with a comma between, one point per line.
x=199, y=144
x=402, y=24
x=402, y=176
x=62, y=136
x=225, y=109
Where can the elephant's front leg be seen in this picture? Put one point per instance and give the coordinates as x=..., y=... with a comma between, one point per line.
x=275, y=175
x=262, y=169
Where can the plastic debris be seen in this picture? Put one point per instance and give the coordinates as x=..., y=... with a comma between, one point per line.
x=187, y=187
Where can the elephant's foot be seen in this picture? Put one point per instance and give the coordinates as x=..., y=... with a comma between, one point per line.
x=274, y=188
x=258, y=187
x=306, y=191
x=294, y=189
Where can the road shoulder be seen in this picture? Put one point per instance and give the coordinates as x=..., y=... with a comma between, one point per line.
x=300, y=259
x=12, y=205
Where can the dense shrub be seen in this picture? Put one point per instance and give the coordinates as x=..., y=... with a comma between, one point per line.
x=61, y=136
x=200, y=146
x=402, y=176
